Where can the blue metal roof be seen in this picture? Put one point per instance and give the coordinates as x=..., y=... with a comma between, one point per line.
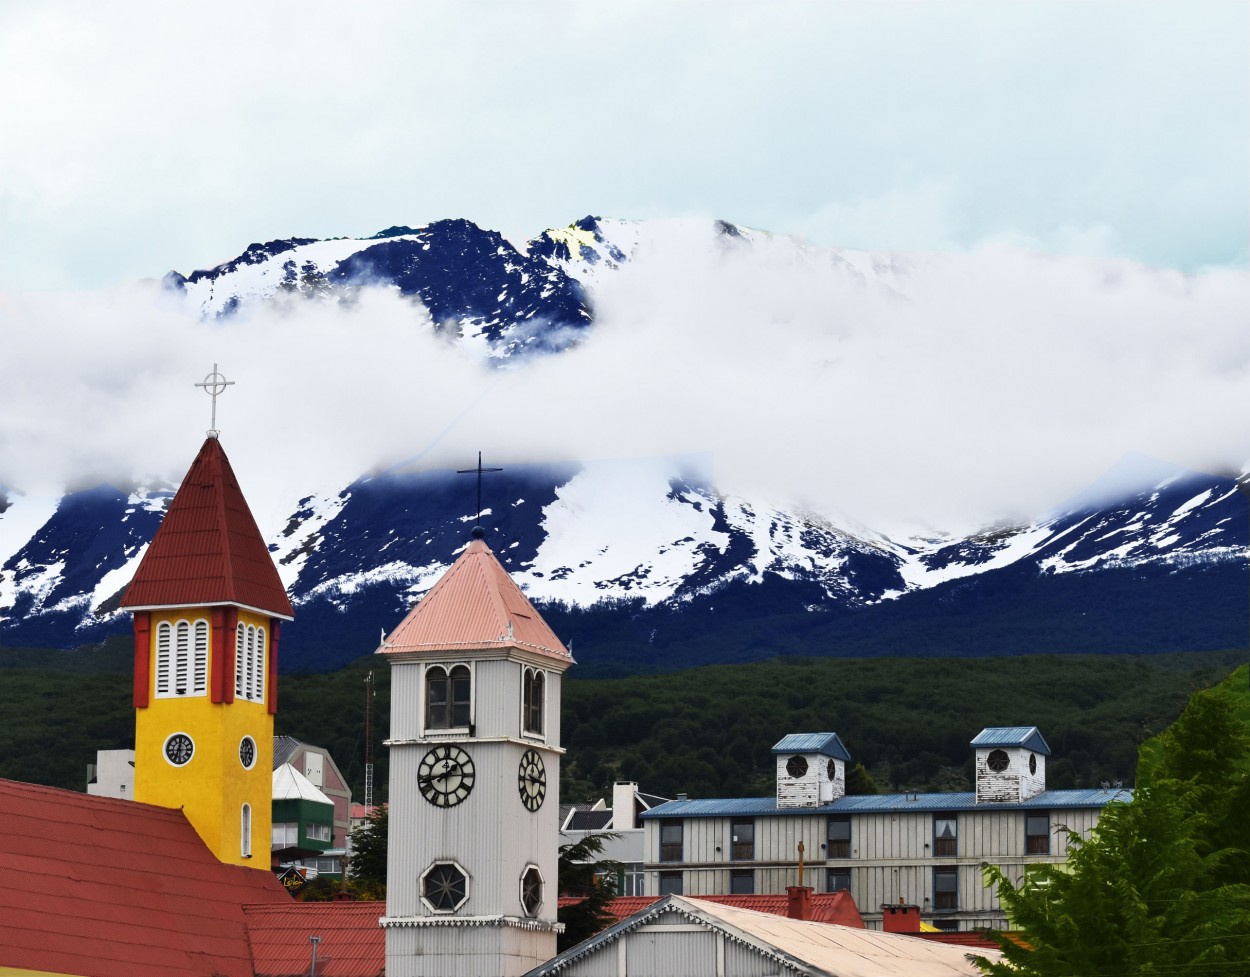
x=886, y=803
x=826, y=744
x=1029, y=737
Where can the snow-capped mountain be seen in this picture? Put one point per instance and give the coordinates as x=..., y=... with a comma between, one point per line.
x=644, y=544
x=640, y=563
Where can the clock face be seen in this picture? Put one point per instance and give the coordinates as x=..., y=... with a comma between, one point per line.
x=247, y=752
x=532, y=780
x=796, y=766
x=831, y=770
x=998, y=761
x=179, y=749
x=445, y=776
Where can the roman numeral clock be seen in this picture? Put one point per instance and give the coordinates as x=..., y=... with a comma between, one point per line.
x=474, y=774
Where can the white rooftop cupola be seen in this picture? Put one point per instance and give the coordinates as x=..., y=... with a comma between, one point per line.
x=811, y=769
x=1010, y=764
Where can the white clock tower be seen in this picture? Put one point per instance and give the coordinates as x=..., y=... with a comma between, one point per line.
x=474, y=778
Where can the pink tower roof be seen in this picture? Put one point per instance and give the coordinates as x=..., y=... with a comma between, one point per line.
x=208, y=549
x=474, y=606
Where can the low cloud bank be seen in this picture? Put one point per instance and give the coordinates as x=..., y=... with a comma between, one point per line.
x=902, y=391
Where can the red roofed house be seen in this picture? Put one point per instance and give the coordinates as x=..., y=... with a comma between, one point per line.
x=99, y=887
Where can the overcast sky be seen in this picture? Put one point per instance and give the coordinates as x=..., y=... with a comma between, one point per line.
x=143, y=137
x=1020, y=139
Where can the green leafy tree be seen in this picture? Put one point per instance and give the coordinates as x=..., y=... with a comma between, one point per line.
x=367, y=866
x=1162, y=886
x=583, y=871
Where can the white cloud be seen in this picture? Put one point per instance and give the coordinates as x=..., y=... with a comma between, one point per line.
x=141, y=136
x=948, y=390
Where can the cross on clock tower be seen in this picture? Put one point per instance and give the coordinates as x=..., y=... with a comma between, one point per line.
x=474, y=778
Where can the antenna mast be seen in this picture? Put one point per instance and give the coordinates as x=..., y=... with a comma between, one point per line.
x=369, y=694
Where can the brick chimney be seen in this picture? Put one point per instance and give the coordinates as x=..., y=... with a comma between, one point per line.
x=799, y=901
x=900, y=918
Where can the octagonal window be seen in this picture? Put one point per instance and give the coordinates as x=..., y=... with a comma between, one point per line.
x=531, y=890
x=444, y=887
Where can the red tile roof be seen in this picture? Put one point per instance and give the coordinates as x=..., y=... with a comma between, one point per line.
x=208, y=549
x=827, y=907
x=352, y=943
x=475, y=605
x=101, y=887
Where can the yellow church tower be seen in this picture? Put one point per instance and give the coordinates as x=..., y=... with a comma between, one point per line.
x=208, y=606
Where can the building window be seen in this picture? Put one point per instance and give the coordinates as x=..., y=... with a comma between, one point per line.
x=285, y=834
x=837, y=879
x=630, y=880
x=444, y=887
x=1037, y=834
x=181, y=659
x=946, y=888
x=839, y=838
x=670, y=883
x=245, y=831
x=533, y=684
x=448, y=697
x=945, y=835
x=742, y=882
x=249, y=663
x=670, y=841
x=319, y=832
x=531, y=890
x=742, y=839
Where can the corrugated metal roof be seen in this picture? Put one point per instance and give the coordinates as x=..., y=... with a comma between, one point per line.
x=284, y=748
x=291, y=785
x=801, y=945
x=475, y=605
x=827, y=744
x=1029, y=737
x=208, y=549
x=352, y=943
x=102, y=887
x=877, y=803
x=827, y=907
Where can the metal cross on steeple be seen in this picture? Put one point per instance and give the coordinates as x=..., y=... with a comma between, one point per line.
x=214, y=385
x=478, y=531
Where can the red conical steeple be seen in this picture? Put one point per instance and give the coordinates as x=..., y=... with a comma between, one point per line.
x=208, y=550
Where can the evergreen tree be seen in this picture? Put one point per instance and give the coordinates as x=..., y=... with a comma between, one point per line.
x=367, y=866
x=1162, y=887
x=584, y=872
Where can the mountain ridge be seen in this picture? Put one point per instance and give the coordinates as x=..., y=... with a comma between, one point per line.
x=639, y=542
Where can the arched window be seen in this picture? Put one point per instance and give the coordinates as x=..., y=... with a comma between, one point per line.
x=245, y=831
x=532, y=688
x=164, y=659
x=448, y=697
x=240, y=662
x=181, y=658
x=259, y=659
x=199, y=658
x=249, y=663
